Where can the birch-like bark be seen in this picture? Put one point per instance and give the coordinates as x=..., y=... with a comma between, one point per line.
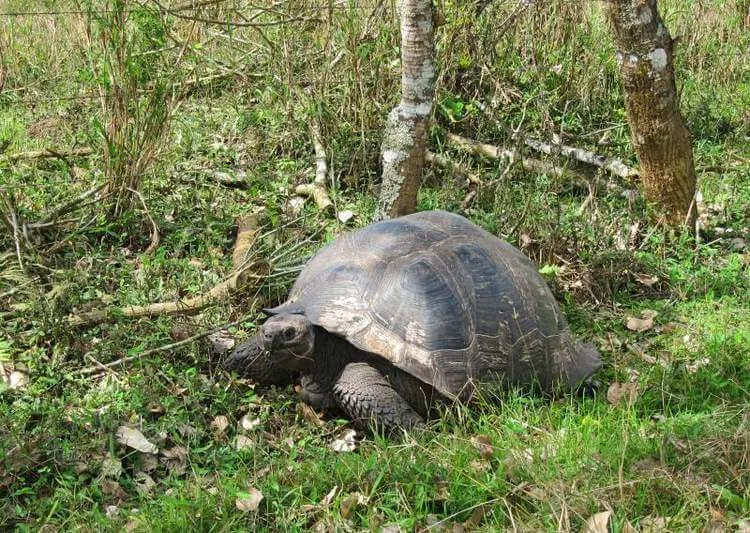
x=660, y=138
x=405, y=139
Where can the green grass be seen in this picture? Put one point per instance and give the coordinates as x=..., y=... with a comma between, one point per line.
x=679, y=452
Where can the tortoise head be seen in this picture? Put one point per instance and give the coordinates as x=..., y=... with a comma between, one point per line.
x=290, y=338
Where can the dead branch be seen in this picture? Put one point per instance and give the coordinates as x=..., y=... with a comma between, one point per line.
x=514, y=156
x=317, y=189
x=48, y=152
x=611, y=165
x=66, y=208
x=248, y=269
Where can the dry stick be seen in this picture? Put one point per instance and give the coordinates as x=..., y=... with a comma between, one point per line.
x=185, y=307
x=498, y=152
x=256, y=304
x=48, y=152
x=317, y=189
x=444, y=162
x=67, y=207
x=610, y=164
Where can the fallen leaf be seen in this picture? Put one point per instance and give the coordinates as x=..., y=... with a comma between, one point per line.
x=17, y=380
x=392, y=528
x=350, y=503
x=483, y=444
x=309, y=414
x=628, y=528
x=147, y=462
x=220, y=424
x=476, y=517
x=296, y=203
x=242, y=443
x=646, y=279
x=175, y=459
x=112, y=488
x=619, y=392
x=186, y=430
x=221, y=342
x=144, y=483
x=134, y=439
x=248, y=424
x=111, y=511
x=249, y=501
x=598, y=523
x=346, y=442
x=644, y=323
x=743, y=526
x=653, y=524
x=693, y=367
x=479, y=467
x=111, y=467
x=345, y=216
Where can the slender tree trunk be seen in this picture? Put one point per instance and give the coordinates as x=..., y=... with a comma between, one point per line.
x=660, y=138
x=405, y=139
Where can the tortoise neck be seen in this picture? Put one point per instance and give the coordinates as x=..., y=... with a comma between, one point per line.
x=332, y=354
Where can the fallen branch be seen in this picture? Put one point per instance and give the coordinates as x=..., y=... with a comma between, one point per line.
x=48, y=152
x=249, y=269
x=611, y=165
x=317, y=189
x=514, y=156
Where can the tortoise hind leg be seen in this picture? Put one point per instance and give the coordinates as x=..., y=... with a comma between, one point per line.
x=368, y=398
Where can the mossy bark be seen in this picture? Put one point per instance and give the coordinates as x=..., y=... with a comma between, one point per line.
x=404, y=143
x=659, y=136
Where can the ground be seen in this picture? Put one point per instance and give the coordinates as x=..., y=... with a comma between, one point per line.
x=663, y=445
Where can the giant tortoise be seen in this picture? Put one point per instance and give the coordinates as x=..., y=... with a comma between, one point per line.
x=385, y=320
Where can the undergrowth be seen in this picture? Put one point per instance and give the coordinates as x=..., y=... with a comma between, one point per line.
x=673, y=457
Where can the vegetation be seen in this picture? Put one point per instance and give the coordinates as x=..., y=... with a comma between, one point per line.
x=663, y=446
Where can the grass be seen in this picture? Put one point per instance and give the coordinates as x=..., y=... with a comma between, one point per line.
x=676, y=458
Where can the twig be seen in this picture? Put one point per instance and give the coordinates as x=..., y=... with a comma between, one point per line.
x=317, y=189
x=11, y=220
x=67, y=207
x=499, y=152
x=171, y=346
x=611, y=165
x=154, y=228
x=48, y=152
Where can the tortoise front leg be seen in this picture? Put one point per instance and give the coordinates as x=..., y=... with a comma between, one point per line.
x=316, y=395
x=368, y=398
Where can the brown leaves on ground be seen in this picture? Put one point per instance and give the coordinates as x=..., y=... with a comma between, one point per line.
x=484, y=446
x=133, y=438
x=175, y=459
x=598, y=523
x=219, y=425
x=645, y=323
x=618, y=393
x=345, y=442
x=249, y=501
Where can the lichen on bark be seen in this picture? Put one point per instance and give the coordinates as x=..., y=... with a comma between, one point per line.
x=659, y=135
x=405, y=138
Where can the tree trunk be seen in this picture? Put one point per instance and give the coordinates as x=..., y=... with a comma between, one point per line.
x=405, y=139
x=658, y=132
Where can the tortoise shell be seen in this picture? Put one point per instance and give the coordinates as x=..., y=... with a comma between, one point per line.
x=445, y=301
